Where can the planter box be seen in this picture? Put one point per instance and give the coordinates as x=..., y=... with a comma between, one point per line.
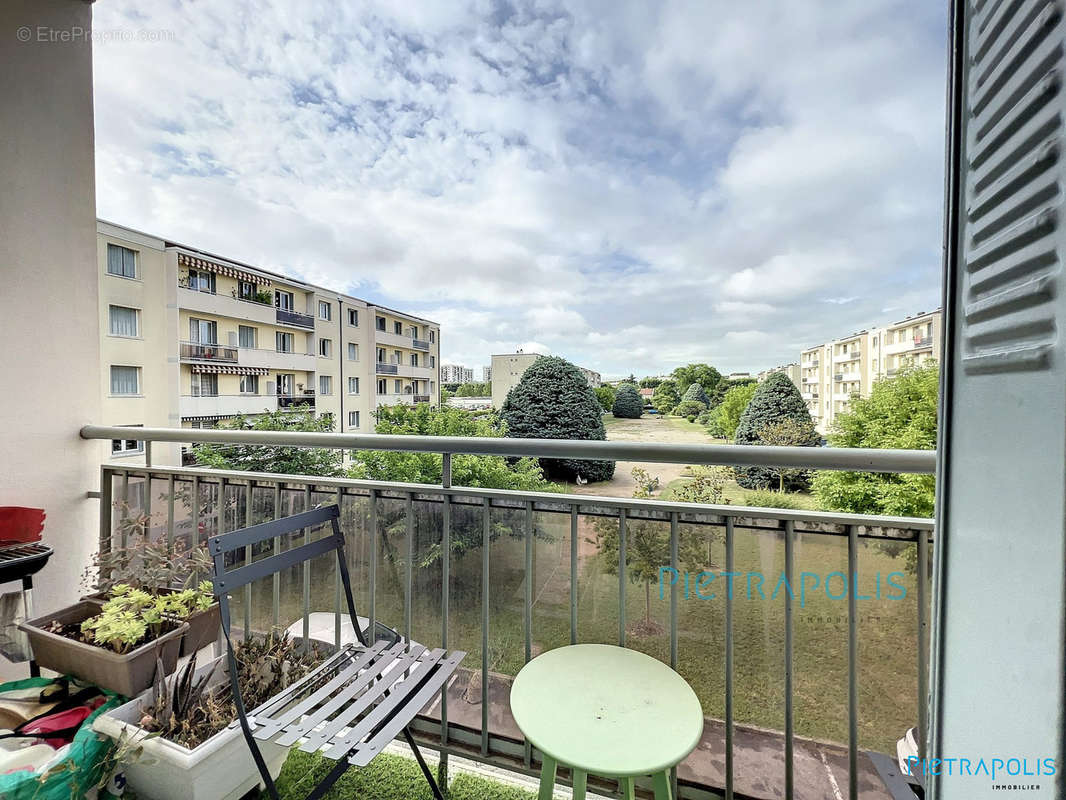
x=127, y=674
x=219, y=769
x=203, y=625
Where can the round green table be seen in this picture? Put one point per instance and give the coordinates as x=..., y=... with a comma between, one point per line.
x=606, y=710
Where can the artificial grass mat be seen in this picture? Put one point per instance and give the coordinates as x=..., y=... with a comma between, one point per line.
x=388, y=777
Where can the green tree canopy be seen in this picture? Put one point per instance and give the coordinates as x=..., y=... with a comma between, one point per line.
x=724, y=386
x=627, y=403
x=900, y=413
x=703, y=374
x=776, y=399
x=665, y=396
x=474, y=390
x=554, y=401
x=727, y=414
x=697, y=393
x=605, y=394
x=649, y=382
x=271, y=458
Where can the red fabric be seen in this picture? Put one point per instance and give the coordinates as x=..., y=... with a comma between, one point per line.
x=18, y=524
x=69, y=719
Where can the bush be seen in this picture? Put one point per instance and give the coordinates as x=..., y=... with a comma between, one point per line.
x=776, y=400
x=769, y=498
x=605, y=394
x=690, y=408
x=627, y=403
x=554, y=401
x=665, y=397
x=732, y=406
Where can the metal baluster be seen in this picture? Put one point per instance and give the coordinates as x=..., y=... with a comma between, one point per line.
x=409, y=568
x=527, y=617
x=853, y=664
x=445, y=578
x=673, y=588
x=107, y=490
x=307, y=578
x=486, y=531
x=573, y=574
x=372, y=604
x=124, y=513
x=147, y=505
x=194, y=512
x=170, y=512
x=621, y=577
x=923, y=647
x=337, y=581
x=789, y=727
x=247, y=559
x=275, y=602
x=729, y=567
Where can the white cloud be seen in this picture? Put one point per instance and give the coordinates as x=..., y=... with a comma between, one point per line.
x=630, y=185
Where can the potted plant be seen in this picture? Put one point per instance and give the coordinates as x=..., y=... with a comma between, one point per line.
x=117, y=645
x=157, y=568
x=187, y=748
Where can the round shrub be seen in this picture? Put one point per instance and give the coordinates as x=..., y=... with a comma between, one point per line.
x=689, y=408
x=554, y=401
x=627, y=403
x=776, y=400
x=691, y=418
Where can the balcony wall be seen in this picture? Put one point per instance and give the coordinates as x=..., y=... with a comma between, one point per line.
x=272, y=359
x=224, y=305
x=226, y=405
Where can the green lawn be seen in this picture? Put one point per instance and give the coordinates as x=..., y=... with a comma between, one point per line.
x=736, y=495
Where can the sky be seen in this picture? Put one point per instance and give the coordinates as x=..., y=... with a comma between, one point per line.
x=631, y=185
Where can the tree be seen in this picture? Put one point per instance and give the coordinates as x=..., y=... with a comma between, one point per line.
x=775, y=400
x=647, y=549
x=900, y=413
x=693, y=402
x=474, y=390
x=605, y=394
x=697, y=393
x=787, y=432
x=554, y=401
x=724, y=386
x=703, y=374
x=627, y=403
x=650, y=383
x=274, y=458
x=665, y=396
x=727, y=414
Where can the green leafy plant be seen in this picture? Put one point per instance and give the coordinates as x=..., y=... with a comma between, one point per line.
x=627, y=403
x=726, y=416
x=775, y=400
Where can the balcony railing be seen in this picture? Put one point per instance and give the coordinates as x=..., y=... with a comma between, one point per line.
x=196, y=351
x=923, y=341
x=838, y=377
x=421, y=398
x=384, y=368
x=287, y=317
x=292, y=400
x=849, y=356
x=420, y=344
x=454, y=567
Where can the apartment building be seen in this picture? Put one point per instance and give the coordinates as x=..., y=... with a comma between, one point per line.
x=190, y=338
x=507, y=370
x=456, y=373
x=831, y=374
x=486, y=374
x=792, y=370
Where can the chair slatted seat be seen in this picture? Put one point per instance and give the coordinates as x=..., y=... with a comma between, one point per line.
x=358, y=700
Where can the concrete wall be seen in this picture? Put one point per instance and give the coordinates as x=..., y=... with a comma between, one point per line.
x=51, y=304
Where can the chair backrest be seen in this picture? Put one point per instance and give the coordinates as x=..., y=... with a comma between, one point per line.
x=226, y=581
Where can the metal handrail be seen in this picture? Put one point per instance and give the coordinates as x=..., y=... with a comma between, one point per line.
x=832, y=458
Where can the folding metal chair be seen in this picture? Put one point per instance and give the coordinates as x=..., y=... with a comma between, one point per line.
x=353, y=704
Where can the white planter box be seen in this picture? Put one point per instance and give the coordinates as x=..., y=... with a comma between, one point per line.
x=219, y=769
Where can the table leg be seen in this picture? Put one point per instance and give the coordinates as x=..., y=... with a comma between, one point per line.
x=580, y=778
x=662, y=785
x=628, y=790
x=547, y=777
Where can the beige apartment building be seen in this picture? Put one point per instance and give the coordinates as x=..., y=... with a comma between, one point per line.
x=833, y=372
x=792, y=370
x=507, y=370
x=189, y=338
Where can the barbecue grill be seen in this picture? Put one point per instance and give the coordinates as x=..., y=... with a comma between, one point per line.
x=22, y=554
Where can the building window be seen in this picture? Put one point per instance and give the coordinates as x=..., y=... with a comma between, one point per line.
x=202, y=281
x=432, y=336
x=325, y=384
x=123, y=321
x=125, y=380
x=249, y=384
x=203, y=385
x=203, y=331
x=325, y=310
x=432, y=361
x=121, y=261
x=382, y=358
x=284, y=300
x=381, y=323
x=397, y=328
x=353, y=317
x=414, y=359
x=397, y=385
x=284, y=342
x=353, y=419
x=247, y=336
x=383, y=386
x=127, y=447
x=353, y=386
x=353, y=351
x=325, y=347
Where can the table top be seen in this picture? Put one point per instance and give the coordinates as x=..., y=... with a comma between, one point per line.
x=607, y=710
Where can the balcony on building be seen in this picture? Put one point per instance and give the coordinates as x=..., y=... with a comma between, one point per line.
x=226, y=405
x=385, y=368
x=288, y=317
x=199, y=351
x=281, y=360
x=294, y=401
x=851, y=355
